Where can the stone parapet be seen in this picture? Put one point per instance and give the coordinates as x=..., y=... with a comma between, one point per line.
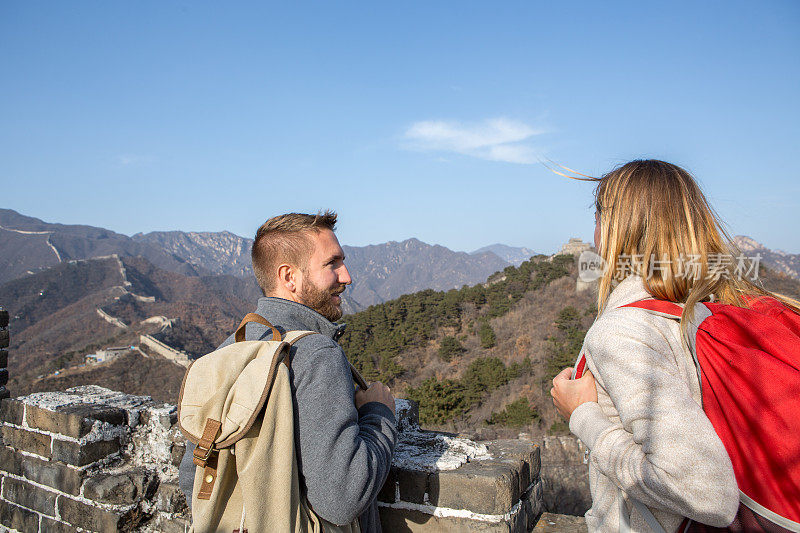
x=88, y=458
x=565, y=475
x=99, y=460
x=440, y=482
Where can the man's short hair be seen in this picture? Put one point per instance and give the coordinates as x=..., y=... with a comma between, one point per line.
x=285, y=240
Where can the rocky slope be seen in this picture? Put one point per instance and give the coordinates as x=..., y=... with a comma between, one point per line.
x=61, y=314
x=217, y=252
x=777, y=260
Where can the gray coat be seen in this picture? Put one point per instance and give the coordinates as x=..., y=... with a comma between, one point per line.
x=343, y=454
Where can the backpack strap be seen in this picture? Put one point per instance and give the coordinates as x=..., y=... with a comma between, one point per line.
x=254, y=317
x=661, y=307
x=674, y=311
x=205, y=457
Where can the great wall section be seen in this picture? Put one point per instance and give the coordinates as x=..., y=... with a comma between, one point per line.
x=91, y=459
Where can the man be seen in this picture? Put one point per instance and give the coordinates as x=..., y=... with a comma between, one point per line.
x=344, y=439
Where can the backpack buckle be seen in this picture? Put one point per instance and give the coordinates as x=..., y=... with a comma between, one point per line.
x=201, y=455
x=205, y=447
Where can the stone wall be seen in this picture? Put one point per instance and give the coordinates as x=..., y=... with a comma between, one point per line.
x=92, y=459
x=176, y=356
x=99, y=460
x=565, y=476
x=440, y=482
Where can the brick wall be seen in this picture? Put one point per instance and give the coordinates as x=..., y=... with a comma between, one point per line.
x=565, y=476
x=100, y=460
x=89, y=458
x=439, y=482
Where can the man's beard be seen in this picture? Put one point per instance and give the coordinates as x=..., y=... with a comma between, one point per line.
x=321, y=300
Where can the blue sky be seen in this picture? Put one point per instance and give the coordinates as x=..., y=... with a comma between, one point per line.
x=409, y=119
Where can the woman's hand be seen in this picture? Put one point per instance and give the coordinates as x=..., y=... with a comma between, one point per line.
x=568, y=393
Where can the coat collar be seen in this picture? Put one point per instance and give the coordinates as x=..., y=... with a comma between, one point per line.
x=629, y=290
x=287, y=311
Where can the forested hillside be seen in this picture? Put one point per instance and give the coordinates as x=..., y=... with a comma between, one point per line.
x=479, y=357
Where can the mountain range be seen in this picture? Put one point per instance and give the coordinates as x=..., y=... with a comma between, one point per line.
x=380, y=272
x=28, y=245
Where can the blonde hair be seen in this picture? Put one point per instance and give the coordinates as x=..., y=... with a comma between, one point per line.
x=285, y=239
x=655, y=222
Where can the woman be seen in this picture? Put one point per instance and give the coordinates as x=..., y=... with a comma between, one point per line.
x=638, y=409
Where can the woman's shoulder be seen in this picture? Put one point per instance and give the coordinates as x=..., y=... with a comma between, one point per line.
x=631, y=326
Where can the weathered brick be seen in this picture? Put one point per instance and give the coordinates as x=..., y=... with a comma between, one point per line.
x=533, y=503
x=72, y=420
x=560, y=523
x=176, y=453
x=11, y=411
x=516, y=457
x=77, y=454
x=393, y=519
x=120, y=489
x=166, y=524
x=107, y=488
x=413, y=485
x=519, y=449
x=90, y=517
x=27, y=441
x=485, y=487
x=3, y=358
x=3, y=338
x=48, y=473
x=166, y=420
x=10, y=461
x=169, y=498
x=15, y=517
x=50, y=525
x=30, y=496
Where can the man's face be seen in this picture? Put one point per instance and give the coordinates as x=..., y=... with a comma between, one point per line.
x=324, y=276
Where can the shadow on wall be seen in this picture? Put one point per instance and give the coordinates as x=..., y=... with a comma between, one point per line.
x=565, y=477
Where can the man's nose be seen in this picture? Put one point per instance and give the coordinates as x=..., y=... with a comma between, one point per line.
x=344, y=276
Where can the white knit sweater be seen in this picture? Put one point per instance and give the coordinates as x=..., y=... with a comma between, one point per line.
x=647, y=432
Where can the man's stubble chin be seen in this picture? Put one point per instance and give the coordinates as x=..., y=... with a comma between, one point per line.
x=321, y=300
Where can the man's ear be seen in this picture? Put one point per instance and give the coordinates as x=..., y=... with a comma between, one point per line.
x=287, y=278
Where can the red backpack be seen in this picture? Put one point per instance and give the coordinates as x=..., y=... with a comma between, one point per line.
x=749, y=366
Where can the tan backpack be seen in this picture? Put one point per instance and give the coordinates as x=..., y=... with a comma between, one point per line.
x=236, y=405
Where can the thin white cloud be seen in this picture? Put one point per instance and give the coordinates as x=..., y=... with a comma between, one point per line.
x=129, y=159
x=497, y=139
